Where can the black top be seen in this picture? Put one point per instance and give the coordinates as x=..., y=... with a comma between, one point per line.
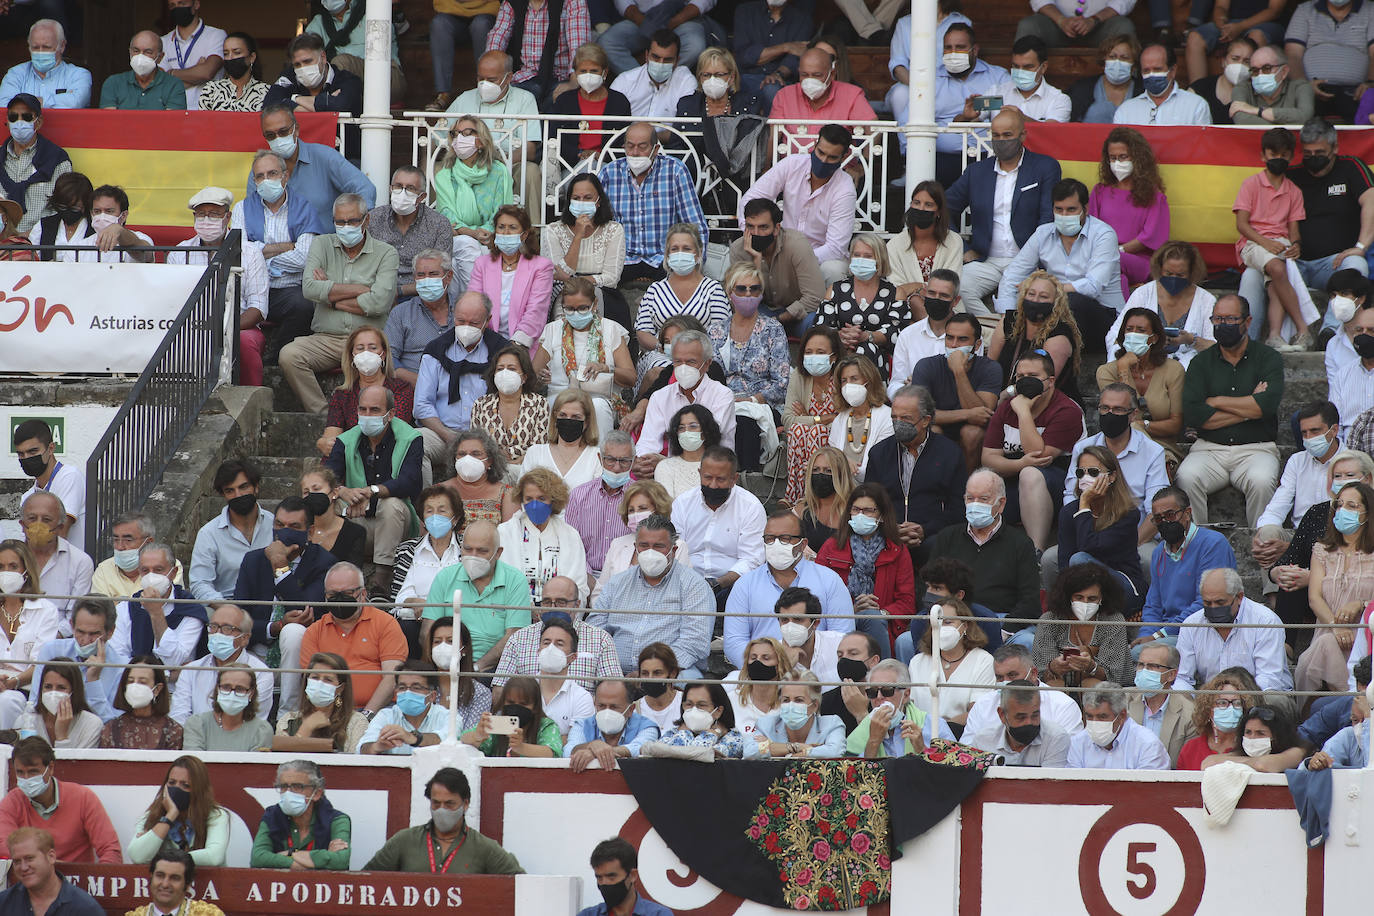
x=815, y=531
x=567, y=104
x=1332, y=204
x=1066, y=381
x=1207, y=88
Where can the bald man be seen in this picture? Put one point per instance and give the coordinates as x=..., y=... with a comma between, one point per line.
x=496, y=595
x=63, y=568
x=144, y=86
x=501, y=105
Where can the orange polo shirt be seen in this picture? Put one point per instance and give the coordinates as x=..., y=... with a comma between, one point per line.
x=376, y=638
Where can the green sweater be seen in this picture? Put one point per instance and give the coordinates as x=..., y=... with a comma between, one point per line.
x=264, y=856
x=410, y=850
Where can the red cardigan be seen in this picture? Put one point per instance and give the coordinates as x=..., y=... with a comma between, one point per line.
x=894, y=579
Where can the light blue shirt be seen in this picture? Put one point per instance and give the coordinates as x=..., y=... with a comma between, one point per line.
x=1134, y=749
x=1203, y=654
x=1349, y=747
x=895, y=745
x=435, y=722
x=900, y=51
x=1092, y=264
x=639, y=731
x=756, y=592
x=431, y=386
x=1142, y=464
x=951, y=92
x=99, y=700
x=1180, y=108
x=322, y=174
x=219, y=551
x=1154, y=721
x=826, y=733
x=65, y=86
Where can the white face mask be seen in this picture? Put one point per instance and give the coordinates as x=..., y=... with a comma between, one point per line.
x=1101, y=733
x=814, y=88
x=1122, y=168
x=854, y=394
x=652, y=563
x=142, y=64
x=488, y=91
x=470, y=468
x=52, y=700
x=639, y=164
x=795, y=634
x=507, y=381
x=949, y=637
x=1257, y=747
x=476, y=567
x=1236, y=73
x=1084, y=609
x=11, y=582
x=697, y=720
x=687, y=376
x=590, y=82
x=442, y=656
x=957, y=62
x=464, y=147
x=102, y=220
x=138, y=696
x=713, y=87
x=156, y=585
x=367, y=362
x=780, y=556
x=467, y=334
x=310, y=75
x=552, y=659
x=610, y=721
x=210, y=229
x=403, y=202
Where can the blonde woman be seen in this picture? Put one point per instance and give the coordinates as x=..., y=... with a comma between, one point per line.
x=583, y=349
x=766, y=660
x=28, y=622
x=642, y=499
x=1042, y=321
x=719, y=103
x=470, y=184
x=865, y=417
x=829, y=481
x=684, y=291
x=366, y=361
x=537, y=541
x=1102, y=523
x=345, y=539
x=864, y=307
x=570, y=451
x=751, y=349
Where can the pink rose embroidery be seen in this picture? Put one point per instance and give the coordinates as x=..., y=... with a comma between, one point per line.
x=866, y=801
x=821, y=850
x=860, y=843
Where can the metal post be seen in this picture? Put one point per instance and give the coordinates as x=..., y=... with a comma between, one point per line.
x=1369, y=727
x=376, y=120
x=453, y=668
x=920, y=122
x=935, y=617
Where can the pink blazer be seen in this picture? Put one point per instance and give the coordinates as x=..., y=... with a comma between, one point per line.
x=530, y=294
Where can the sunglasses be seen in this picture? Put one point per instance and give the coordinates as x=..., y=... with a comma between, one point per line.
x=887, y=692
x=25, y=115
x=1090, y=472
x=1263, y=713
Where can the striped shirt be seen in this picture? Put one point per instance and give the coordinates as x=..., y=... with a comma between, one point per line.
x=595, y=658
x=682, y=589
x=649, y=208
x=287, y=268
x=1335, y=51
x=707, y=304
x=595, y=512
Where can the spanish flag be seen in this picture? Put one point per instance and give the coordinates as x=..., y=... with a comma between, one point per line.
x=1202, y=168
x=161, y=158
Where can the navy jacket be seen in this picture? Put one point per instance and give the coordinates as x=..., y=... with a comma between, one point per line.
x=304, y=583
x=1031, y=205
x=936, y=497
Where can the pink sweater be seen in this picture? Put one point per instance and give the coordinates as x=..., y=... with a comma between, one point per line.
x=80, y=826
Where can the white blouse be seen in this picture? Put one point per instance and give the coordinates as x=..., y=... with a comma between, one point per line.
x=39, y=619
x=747, y=714
x=974, y=668
x=879, y=428
x=1198, y=321
x=613, y=337
x=678, y=475
x=667, y=718
x=586, y=467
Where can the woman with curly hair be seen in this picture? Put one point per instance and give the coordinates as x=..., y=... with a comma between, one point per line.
x=1070, y=649
x=537, y=541
x=1129, y=197
x=1042, y=320
x=1216, y=720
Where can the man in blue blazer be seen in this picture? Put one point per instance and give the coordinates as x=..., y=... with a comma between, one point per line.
x=923, y=474
x=1009, y=196
x=290, y=568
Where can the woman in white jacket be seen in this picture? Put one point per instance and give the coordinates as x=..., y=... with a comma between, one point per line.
x=537, y=541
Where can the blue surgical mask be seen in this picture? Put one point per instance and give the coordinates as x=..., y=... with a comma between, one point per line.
x=615, y=480
x=33, y=786
x=816, y=363
x=1337, y=484
x=1117, y=71
x=410, y=703
x=966, y=350
x=1227, y=718
x=283, y=146
x=1156, y=83
x=430, y=288
x=863, y=268
x=582, y=207
x=372, y=426
x=127, y=560
x=1148, y=681
x=978, y=515
x=1264, y=83
x=863, y=525
x=1317, y=446
x=579, y=320
x=508, y=243
x=1066, y=224
x=659, y=71
x=1345, y=520
x=221, y=645
x=231, y=703
x=349, y=235
x=537, y=511
x=794, y=715
x=293, y=804
x=88, y=650
x=1025, y=80
x=1136, y=343
x=438, y=525
x=682, y=262
x=22, y=132
x=43, y=61
x=320, y=693
x=271, y=189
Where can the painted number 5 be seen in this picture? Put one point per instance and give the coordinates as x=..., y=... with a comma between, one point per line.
x=1134, y=866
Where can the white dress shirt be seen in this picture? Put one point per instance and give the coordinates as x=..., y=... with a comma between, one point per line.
x=1302, y=486
x=570, y=703
x=68, y=484
x=1092, y=264
x=174, y=647
x=1202, y=653
x=38, y=623
x=424, y=566
x=669, y=399
x=729, y=539
x=67, y=572
x=1003, y=241
x=1046, y=103
x=974, y=668
x=1049, y=749
x=913, y=344
x=1142, y=464
x=192, y=694
x=1180, y=108
x=1055, y=706
x=1135, y=748
x=1197, y=322
x=825, y=216
x=1352, y=391
x=652, y=100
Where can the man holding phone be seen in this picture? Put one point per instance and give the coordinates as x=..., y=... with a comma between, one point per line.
x=965, y=91
x=93, y=623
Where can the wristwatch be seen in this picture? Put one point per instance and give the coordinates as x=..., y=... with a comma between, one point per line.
x=376, y=490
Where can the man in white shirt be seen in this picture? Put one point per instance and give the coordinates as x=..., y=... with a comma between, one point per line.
x=1019, y=736
x=1027, y=88
x=1351, y=385
x=655, y=87
x=1110, y=739
x=146, y=624
x=1162, y=103
x=37, y=454
x=1303, y=483
x=192, y=51
x=721, y=522
x=927, y=336
x=1205, y=651
x=230, y=629
x=1012, y=662
x=692, y=354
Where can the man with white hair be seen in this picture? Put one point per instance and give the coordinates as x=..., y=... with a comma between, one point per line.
x=417, y=320
x=450, y=379
x=594, y=507
x=1111, y=739
x=230, y=629
x=497, y=101
x=1019, y=736
x=45, y=75
x=1002, y=558
x=1206, y=650
x=692, y=355
x=146, y=623
x=896, y=727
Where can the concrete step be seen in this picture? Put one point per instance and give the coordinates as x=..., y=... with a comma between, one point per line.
x=292, y=433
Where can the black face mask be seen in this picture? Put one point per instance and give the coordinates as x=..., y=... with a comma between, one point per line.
x=236, y=67
x=1113, y=425
x=1224, y=614
x=823, y=485
x=1030, y=387
x=1315, y=164
x=1172, y=532
x=342, y=613
x=715, y=496
x=614, y=894
x=317, y=503
x=35, y=465
x=762, y=242
x=179, y=796
x=654, y=690
x=1228, y=335
x=1363, y=344
x=1023, y=734
x=182, y=16
x=851, y=669
x=570, y=429
x=243, y=503
x=759, y=671
x=904, y=432
x=1276, y=166
x=938, y=309
x=920, y=219
x=520, y=712
x=70, y=216
x=1037, y=311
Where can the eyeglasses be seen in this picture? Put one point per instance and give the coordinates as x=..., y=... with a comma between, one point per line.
x=24, y=115
x=610, y=462
x=1090, y=472
x=1223, y=703
x=236, y=691
x=753, y=289
x=467, y=132
x=274, y=134
x=225, y=628
x=1267, y=68
x=298, y=787
x=1170, y=515
x=791, y=540
x=1151, y=666
x=1226, y=319
x=558, y=602
x=1116, y=411
x=358, y=221
x=888, y=692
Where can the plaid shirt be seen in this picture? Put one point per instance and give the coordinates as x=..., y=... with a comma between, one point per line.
x=19, y=165
x=1362, y=433
x=595, y=657
x=687, y=633
x=577, y=31
x=647, y=210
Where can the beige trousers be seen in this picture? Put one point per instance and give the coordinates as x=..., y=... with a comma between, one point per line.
x=302, y=358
